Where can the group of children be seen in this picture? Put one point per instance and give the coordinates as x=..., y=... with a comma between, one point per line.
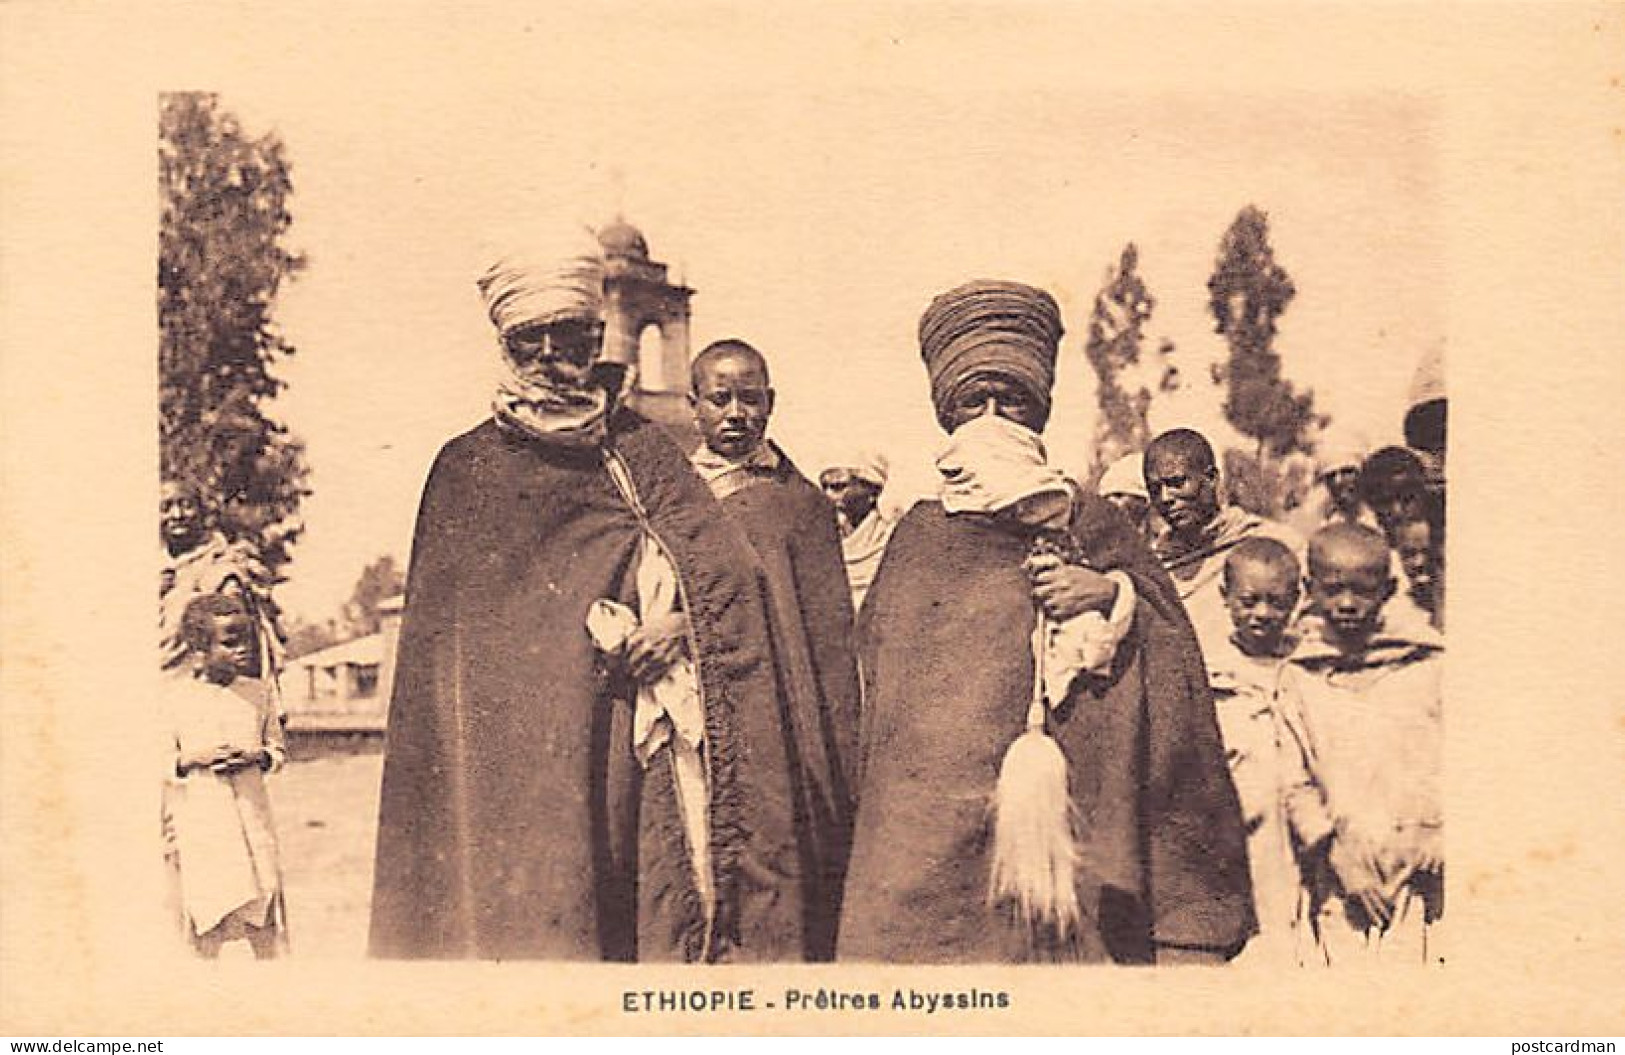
x=1331, y=718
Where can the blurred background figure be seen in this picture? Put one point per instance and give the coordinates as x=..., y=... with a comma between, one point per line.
x=1123, y=485
x=1419, y=542
x=1392, y=483
x=1338, y=461
x=197, y=559
x=854, y=486
x=1425, y=421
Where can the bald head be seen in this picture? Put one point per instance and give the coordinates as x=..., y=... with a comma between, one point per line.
x=730, y=350
x=1260, y=552
x=1183, y=481
x=1349, y=583
x=1188, y=445
x=1348, y=547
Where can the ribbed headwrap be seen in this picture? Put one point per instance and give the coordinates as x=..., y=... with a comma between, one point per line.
x=547, y=286
x=990, y=327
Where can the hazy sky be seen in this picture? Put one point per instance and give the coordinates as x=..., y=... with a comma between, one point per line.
x=815, y=222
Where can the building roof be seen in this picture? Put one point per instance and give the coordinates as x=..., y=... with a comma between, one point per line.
x=362, y=652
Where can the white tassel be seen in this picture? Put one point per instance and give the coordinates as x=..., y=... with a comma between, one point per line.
x=1035, y=855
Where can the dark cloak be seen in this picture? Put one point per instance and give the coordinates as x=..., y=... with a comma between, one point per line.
x=944, y=645
x=792, y=527
x=515, y=821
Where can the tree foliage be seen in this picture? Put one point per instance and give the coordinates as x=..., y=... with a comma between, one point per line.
x=1117, y=324
x=379, y=581
x=1247, y=293
x=221, y=260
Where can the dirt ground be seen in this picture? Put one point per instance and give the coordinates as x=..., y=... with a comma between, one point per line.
x=327, y=814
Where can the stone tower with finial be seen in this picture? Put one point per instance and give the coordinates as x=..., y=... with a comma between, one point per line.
x=638, y=295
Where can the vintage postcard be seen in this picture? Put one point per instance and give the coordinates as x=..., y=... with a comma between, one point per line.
x=760, y=519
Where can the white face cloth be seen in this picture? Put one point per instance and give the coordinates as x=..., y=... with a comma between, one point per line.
x=992, y=465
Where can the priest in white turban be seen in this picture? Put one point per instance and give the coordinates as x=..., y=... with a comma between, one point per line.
x=584, y=757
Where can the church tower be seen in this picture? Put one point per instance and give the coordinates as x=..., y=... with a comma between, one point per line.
x=646, y=321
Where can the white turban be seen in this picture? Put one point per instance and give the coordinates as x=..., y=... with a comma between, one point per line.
x=1125, y=476
x=1342, y=450
x=541, y=288
x=865, y=465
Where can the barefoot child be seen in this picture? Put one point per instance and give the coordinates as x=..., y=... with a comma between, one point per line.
x=1259, y=585
x=1361, y=702
x=220, y=840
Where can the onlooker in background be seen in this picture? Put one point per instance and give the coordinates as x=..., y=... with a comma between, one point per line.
x=1338, y=462
x=1361, y=702
x=1182, y=478
x=1260, y=588
x=1420, y=541
x=855, y=486
x=198, y=560
x=1427, y=417
x=1392, y=483
x=1123, y=485
x=792, y=529
x=219, y=835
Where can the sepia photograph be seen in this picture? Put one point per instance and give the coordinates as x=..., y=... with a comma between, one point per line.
x=688, y=519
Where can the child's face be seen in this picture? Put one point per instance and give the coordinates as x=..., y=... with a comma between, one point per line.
x=1414, y=542
x=1260, y=597
x=1348, y=585
x=232, y=652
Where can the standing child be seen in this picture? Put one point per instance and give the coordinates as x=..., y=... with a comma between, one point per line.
x=1361, y=702
x=1260, y=589
x=219, y=836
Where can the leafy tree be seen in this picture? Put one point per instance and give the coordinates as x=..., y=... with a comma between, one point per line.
x=305, y=638
x=379, y=580
x=221, y=260
x=1116, y=330
x=1247, y=293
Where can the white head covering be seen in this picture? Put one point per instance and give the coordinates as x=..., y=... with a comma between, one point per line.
x=1125, y=476
x=562, y=282
x=1341, y=450
x=565, y=281
x=865, y=463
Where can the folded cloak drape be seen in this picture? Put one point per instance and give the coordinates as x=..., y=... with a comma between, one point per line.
x=791, y=525
x=515, y=821
x=948, y=675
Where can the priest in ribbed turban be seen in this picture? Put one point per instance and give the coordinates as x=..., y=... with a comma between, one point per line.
x=1042, y=776
x=584, y=758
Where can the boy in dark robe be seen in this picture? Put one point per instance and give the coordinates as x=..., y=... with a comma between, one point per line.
x=792, y=528
x=543, y=797
x=949, y=661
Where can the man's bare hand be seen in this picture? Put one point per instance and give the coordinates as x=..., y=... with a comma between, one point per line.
x=1066, y=591
x=655, y=646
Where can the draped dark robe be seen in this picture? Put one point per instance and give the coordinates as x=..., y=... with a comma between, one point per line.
x=515, y=820
x=948, y=674
x=792, y=527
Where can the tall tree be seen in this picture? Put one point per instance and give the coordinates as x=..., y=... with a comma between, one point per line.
x=221, y=260
x=1116, y=332
x=379, y=581
x=1247, y=293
